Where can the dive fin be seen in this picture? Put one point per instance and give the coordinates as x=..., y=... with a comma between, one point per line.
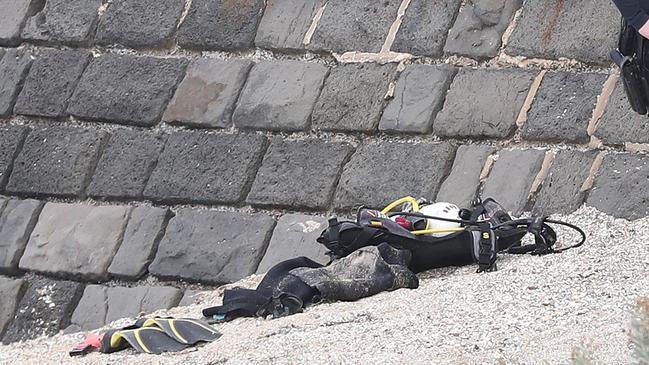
x=150, y=340
x=185, y=330
x=158, y=335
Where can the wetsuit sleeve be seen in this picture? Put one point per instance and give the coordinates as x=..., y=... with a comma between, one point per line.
x=633, y=12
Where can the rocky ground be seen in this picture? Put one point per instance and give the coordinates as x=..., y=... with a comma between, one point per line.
x=534, y=310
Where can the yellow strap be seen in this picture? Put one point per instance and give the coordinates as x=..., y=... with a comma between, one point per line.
x=396, y=203
x=150, y=323
x=115, y=340
x=441, y=230
x=201, y=325
x=117, y=336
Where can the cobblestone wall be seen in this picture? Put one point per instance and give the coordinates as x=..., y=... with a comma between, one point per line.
x=147, y=146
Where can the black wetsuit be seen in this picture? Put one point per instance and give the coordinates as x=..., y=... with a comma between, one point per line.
x=636, y=12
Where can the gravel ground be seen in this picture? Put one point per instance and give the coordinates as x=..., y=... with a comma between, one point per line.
x=534, y=310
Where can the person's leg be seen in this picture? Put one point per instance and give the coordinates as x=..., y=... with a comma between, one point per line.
x=630, y=57
x=643, y=66
x=627, y=41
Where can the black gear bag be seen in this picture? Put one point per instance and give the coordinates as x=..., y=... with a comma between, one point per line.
x=486, y=230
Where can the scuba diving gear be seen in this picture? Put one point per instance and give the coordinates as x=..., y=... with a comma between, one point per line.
x=151, y=336
x=488, y=230
x=293, y=284
x=150, y=340
x=372, y=228
x=363, y=273
x=383, y=249
x=445, y=210
x=630, y=57
x=280, y=293
x=184, y=330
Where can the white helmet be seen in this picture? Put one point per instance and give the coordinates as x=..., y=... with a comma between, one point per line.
x=442, y=210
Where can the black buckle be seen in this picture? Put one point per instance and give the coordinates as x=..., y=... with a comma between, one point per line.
x=281, y=305
x=487, y=250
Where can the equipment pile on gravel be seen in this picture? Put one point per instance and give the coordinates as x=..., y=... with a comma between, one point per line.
x=532, y=310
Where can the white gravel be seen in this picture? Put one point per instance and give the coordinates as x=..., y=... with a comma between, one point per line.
x=534, y=310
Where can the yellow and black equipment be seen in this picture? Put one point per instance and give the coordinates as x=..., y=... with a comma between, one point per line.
x=472, y=235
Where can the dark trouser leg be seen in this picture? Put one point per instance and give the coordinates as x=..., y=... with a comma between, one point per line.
x=632, y=57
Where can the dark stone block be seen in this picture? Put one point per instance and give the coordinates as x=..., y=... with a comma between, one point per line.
x=11, y=142
x=143, y=233
x=126, y=89
x=424, y=27
x=285, y=23
x=369, y=178
x=191, y=297
x=56, y=161
x=483, y=103
x=585, y=30
x=479, y=28
x=418, y=97
x=50, y=83
x=561, y=190
x=620, y=124
x=75, y=240
x=45, y=309
x=141, y=23
x=299, y=174
x=17, y=221
x=207, y=95
x=212, y=246
x=12, y=19
x=360, y=25
x=221, y=24
x=342, y=106
x=294, y=236
x=13, y=69
x=90, y=313
x=11, y=292
x=279, y=95
x=513, y=193
x=63, y=21
x=126, y=164
x=622, y=186
x=205, y=168
x=130, y=302
x=102, y=305
x=563, y=107
x=461, y=185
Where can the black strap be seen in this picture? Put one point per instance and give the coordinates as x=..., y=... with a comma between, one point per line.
x=545, y=236
x=487, y=249
x=571, y=226
x=237, y=302
x=266, y=299
x=477, y=212
x=334, y=230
